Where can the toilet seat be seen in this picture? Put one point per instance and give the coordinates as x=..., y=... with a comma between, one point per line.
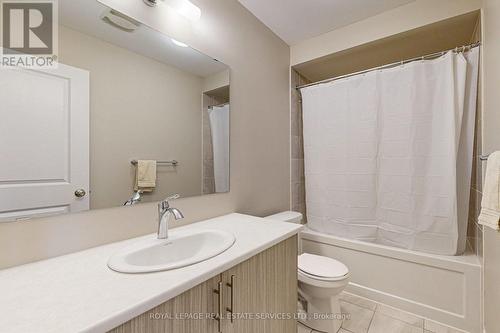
x=322, y=268
x=339, y=283
x=326, y=279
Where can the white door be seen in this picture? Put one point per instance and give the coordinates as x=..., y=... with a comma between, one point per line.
x=44, y=142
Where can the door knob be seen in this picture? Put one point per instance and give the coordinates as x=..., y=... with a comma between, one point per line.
x=80, y=193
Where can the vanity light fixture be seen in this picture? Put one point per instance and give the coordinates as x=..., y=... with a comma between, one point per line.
x=181, y=44
x=119, y=21
x=150, y=3
x=184, y=7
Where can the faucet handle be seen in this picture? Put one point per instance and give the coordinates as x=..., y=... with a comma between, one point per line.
x=173, y=197
x=164, y=205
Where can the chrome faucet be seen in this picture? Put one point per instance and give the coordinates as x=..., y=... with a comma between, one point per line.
x=165, y=212
x=135, y=199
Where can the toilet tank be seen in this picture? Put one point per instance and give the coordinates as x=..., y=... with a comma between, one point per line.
x=289, y=216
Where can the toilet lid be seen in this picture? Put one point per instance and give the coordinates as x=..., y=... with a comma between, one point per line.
x=321, y=266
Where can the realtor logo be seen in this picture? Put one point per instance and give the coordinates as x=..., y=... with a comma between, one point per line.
x=29, y=33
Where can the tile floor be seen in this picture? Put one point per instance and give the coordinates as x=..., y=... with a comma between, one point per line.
x=367, y=316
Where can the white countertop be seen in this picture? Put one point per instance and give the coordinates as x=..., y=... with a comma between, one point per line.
x=79, y=293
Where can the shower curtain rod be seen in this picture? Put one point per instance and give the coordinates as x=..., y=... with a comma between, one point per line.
x=394, y=64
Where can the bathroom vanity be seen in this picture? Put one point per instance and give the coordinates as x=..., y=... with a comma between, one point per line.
x=264, y=285
x=255, y=278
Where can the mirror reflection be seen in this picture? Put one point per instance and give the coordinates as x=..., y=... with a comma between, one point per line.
x=130, y=115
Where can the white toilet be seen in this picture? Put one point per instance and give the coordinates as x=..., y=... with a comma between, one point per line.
x=321, y=280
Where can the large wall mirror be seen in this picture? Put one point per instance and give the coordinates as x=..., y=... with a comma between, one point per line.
x=130, y=115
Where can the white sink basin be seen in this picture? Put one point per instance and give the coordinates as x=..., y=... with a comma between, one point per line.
x=182, y=248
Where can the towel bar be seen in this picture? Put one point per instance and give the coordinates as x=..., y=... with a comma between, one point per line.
x=173, y=162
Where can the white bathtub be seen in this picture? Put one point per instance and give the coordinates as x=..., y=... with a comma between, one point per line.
x=441, y=288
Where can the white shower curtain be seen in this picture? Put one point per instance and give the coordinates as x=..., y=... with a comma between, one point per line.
x=219, y=124
x=383, y=152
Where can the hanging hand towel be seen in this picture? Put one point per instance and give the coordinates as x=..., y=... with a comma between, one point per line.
x=490, y=206
x=145, y=176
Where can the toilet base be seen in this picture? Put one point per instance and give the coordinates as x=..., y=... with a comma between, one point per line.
x=323, y=314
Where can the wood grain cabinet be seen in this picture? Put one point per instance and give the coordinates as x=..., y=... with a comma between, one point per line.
x=258, y=295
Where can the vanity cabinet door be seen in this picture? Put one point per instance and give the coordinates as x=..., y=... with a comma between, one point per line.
x=262, y=292
x=187, y=313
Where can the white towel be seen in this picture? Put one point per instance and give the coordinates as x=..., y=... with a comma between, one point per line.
x=490, y=206
x=145, y=175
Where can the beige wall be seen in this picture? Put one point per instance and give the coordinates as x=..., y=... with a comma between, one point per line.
x=215, y=81
x=398, y=20
x=491, y=142
x=139, y=109
x=260, y=131
x=424, y=40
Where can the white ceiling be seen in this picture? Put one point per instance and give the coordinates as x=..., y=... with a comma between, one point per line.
x=297, y=20
x=84, y=16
